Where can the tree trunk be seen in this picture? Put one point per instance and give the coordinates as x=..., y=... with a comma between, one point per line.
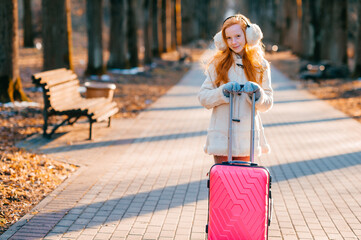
x=316, y=22
x=94, y=15
x=56, y=34
x=185, y=21
x=357, y=69
x=309, y=31
x=326, y=32
x=338, y=50
x=280, y=21
x=148, y=31
x=202, y=18
x=173, y=41
x=178, y=20
x=10, y=83
x=164, y=25
x=117, y=42
x=132, y=34
x=28, y=27
x=219, y=11
x=255, y=7
x=268, y=21
x=190, y=20
x=155, y=33
x=291, y=30
x=160, y=42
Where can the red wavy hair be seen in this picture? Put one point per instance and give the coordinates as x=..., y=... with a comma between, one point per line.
x=252, y=57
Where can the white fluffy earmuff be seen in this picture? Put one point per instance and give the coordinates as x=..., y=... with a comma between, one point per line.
x=253, y=36
x=219, y=42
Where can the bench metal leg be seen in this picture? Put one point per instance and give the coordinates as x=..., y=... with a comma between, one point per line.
x=72, y=122
x=109, y=121
x=48, y=135
x=45, y=126
x=90, y=128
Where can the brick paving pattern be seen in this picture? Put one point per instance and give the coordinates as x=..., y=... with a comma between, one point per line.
x=145, y=178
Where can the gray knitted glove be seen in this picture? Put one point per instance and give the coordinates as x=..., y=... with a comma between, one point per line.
x=234, y=87
x=251, y=87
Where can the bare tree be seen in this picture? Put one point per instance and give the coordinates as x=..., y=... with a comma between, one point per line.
x=326, y=32
x=331, y=29
x=338, y=49
x=56, y=34
x=132, y=34
x=117, y=44
x=27, y=23
x=164, y=25
x=158, y=29
x=357, y=69
x=292, y=28
x=310, y=37
x=202, y=18
x=94, y=15
x=148, y=24
x=178, y=19
x=172, y=28
x=216, y=10
x=308, y=30
x=190, y=30
x=186, y=20
x=10, y=83
x=156, y=35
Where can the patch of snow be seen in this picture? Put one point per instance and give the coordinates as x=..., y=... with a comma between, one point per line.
x=20, y=104
x=131, y=71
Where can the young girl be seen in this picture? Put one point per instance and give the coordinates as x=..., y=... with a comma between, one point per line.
x=238, y=63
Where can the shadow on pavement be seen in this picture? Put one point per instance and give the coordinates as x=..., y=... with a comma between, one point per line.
x=123, y=141
x=304, y=122
x=172, y=108
x=174, y=196
x=88, y=145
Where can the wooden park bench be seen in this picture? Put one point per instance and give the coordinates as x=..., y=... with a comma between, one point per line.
x=62, y=97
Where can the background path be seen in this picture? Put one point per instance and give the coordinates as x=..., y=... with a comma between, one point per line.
x=145, y=178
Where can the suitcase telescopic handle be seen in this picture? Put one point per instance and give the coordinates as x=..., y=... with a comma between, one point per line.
x=241, y=163
x=230, y=126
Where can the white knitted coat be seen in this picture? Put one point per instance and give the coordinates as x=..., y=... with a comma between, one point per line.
x=211, y=97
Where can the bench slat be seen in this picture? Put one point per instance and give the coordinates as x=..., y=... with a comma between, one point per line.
x=66, y=105
x=64, y=91
x=86, y=104
x=83, y=104
x=108, y=114
x=101, y=111
x=48, y=73
x=53, y=75
x=58, y=102
x=61, y=87
x=71, y=93
x=59, y=80
x=96, y=105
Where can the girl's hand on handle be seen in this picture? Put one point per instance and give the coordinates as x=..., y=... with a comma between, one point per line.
x=234, y=87
x=250, y=88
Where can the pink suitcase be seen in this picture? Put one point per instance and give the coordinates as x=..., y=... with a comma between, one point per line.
x=240, y=199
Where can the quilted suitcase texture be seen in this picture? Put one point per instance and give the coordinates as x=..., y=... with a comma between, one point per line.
x=238, y=202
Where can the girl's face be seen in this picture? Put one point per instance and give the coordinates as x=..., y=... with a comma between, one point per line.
x=235, y=38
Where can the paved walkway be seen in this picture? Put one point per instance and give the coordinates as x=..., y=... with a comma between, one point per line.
x=145, y=178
